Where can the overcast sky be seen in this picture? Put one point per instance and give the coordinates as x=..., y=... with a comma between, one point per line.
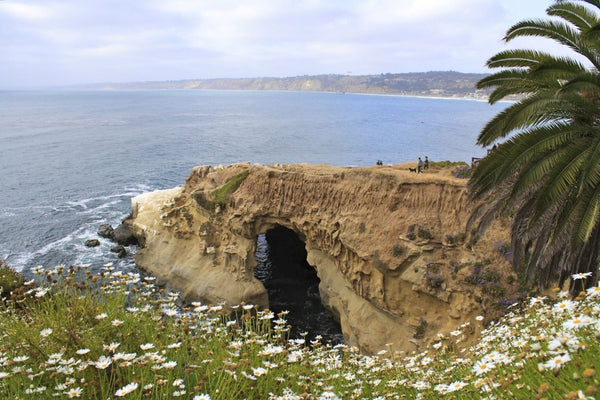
x=57, y=42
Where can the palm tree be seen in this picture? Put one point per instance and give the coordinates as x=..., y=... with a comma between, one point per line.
x=545, y=173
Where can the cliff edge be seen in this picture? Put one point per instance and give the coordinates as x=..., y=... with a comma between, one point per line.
x=389, y=246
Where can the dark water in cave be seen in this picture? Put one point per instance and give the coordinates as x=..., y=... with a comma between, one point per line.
x=293, y=285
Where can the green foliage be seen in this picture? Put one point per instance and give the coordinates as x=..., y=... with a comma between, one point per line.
x=424, y=233
x=221, y=195
x=397, y=250
x=546, y=169
x=10, y=280
x=420, y=329
x=114, y=334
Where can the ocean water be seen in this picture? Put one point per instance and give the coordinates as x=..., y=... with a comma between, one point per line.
x=72, y=160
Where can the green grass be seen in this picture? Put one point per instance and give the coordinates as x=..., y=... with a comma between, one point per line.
x=71, y=333
x=221, y=195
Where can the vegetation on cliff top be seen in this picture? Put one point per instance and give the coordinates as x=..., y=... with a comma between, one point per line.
x=221, y=195
x=113, y=335
x=545, y=173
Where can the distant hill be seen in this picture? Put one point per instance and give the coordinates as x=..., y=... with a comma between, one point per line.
x=435, y=84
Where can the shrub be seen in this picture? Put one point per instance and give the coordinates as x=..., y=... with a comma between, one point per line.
x=463, y=172
x=420, y=329
x=397, y=250
x=424, y=233
x=411, y=233
x=10, y=280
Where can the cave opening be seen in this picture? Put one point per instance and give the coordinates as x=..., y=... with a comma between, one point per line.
x=293, y=285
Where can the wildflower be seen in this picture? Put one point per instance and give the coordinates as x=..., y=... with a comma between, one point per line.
x=328, y=394
x=103, y=362
x=82, y=351
x=146, y=346
x=578, y=322
x=169, y=312
x=479, y=318
x=557, y=361
x=565, y=305
x=20, y=359
x=594, y=291
x=179, y=393
x=481, y=367
x=40, y=292
x=454, y=386
x=101, y=316
x=169, y=364
x=46, y=332
x=581, y=275
x=537, y=300
x=174, y=345
x=116, y=322
x=4, y=375
x=259, y=371
x=421, y=385
x=125, y=390
x=202, y=396
x=178, y=382
x=111, y=347
x=74, y=392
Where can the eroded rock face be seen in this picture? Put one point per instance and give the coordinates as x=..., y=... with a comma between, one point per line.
x=372, y=234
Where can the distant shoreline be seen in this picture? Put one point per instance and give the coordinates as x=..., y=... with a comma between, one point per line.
x=435, y=84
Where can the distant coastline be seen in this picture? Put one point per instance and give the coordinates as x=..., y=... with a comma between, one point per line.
x=434, y=84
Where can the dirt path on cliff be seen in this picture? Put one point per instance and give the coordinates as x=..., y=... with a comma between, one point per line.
x=432, y=174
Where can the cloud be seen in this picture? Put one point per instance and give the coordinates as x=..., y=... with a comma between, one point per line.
x=80, y=41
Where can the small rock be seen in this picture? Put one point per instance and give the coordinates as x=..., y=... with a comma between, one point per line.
x=92, y=242
x=106, y=231
x=120, y=250
x=123, y=235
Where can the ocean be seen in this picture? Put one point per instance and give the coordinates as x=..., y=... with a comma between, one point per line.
x=72, y=160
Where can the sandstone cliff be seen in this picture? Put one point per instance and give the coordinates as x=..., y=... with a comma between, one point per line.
x=387, y=244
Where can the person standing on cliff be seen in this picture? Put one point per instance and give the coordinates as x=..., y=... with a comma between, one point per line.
x=426, y=163
x=419, y=165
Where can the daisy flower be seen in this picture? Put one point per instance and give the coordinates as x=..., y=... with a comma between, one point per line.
x=557, y=362
x=581, y=275
x=46, y=332
x=125, y=390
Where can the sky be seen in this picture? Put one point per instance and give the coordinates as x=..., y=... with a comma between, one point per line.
x=64, y=42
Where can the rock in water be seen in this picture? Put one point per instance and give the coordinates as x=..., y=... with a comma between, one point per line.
x=123, y=235
x=120, y=250
x=106, y=231
x=92, y=243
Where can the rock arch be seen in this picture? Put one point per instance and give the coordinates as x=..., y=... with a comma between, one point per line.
x=356, y=224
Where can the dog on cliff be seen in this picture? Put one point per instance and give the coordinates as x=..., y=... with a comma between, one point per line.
x=412, y=169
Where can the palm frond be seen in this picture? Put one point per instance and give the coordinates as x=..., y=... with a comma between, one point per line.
x=578, y=15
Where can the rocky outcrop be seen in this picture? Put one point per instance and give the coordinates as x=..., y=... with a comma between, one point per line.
x=373, y=235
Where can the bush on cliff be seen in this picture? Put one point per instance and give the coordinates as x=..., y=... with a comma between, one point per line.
x=10, y=280
x=221, y=195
